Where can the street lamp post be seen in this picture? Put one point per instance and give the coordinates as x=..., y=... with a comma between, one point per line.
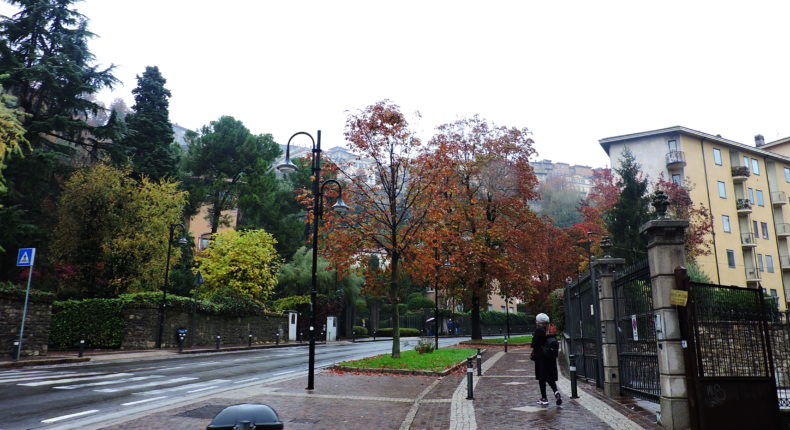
x=318, y=187
x=181, y=241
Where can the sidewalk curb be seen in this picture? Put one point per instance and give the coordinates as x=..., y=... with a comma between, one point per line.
x=43, y=362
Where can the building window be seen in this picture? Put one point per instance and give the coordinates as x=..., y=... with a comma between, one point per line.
x=722, y=190
x=731, y=258
x=755, y=166
x=764, y=228
x=751, y=196
x=746, y=161
x=760, y=262
x=760, y=200
x=490, y=308
x=717, y=156
x=725, y=220
x=756, y=230
x=676, y=179
x=787, y=174
x=673, y=145
x=769, y=263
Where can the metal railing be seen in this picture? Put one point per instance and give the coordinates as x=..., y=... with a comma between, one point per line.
x=675, y=157
x=743, y=204
x=747, y=239
x=783, y=229
x=740, y=171
x=778, y=197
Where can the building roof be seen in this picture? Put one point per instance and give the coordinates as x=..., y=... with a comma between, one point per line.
x=678, y=129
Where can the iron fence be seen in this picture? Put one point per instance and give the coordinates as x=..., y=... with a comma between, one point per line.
x=779, y=332
x=580, y=325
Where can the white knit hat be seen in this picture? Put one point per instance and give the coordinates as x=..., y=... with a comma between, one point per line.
x=541, y=318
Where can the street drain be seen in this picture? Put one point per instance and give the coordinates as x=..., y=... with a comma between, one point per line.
x=208, y=411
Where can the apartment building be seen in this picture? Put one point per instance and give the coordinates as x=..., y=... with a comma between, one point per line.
x=578, y=177
x=744, y=186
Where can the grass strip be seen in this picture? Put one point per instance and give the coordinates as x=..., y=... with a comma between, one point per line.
x=513, y=341
x=436, y=361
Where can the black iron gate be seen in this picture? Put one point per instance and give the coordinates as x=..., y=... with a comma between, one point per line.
x=580, y=311
x=728, y=357
x=779, y=328
x=637, y=355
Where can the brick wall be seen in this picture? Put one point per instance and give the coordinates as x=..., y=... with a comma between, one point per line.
x=36, y=334
x=142, y=328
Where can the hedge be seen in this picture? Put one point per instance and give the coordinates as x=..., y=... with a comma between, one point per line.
x=360, y=331
x=16, y=292
x=404, y=332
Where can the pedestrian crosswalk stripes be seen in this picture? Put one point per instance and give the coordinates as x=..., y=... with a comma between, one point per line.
x=35, y=377
x=68, y=380
x=182, y=387
x=102, y=383
x=146, y=385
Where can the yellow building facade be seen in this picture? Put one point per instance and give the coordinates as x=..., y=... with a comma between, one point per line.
x=745, y=188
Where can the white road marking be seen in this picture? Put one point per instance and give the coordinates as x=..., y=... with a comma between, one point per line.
x=150, y=384
x=247, y=380
x=284, y=373
x=147, y=368
x=201, y=389
x=37, y=377
x=144, y=401
x=65, y=417
x=67, y=380
x=99, y=384
x=180, y=387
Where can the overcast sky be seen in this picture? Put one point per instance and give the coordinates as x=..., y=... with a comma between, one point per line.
x=571, y=72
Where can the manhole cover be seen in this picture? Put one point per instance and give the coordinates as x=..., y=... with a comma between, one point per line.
x=304, y=421
x=208, y=411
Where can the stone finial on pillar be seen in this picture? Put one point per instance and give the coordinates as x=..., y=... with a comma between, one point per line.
x=660, y=202
x=665, y=252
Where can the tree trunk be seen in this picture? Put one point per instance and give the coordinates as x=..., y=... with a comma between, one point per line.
x=475, y=315
x=395, y=310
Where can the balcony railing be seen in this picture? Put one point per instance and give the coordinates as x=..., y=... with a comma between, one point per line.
x=747, y=240
x=675, y=158
x=740, y=173
x=743, y=206
x=783, y=229
x=784, y=262
x=752, y=274
x=778, y=198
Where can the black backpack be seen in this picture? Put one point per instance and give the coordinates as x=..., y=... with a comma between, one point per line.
x=551, y=349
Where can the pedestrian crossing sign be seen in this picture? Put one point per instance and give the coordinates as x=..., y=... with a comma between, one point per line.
x=25, y=257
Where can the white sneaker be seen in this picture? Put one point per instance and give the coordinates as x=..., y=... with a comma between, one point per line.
x=543, y=402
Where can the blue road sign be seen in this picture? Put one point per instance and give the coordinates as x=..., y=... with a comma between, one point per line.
x=25, y=257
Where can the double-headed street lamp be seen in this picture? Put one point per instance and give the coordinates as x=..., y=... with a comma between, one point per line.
x=318, y=206
x=182, y=241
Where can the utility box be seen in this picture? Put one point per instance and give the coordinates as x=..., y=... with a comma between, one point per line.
x=331, y=329
x=292, y=319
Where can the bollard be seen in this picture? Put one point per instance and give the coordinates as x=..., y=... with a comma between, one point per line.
x=82, y=347
x=14, y=349
x=572, y=367
x=469, y=375
x=479, y=363
x=374, y=334
x=277, y=338
x=505, y=344
x=218, y=340
x=301, y=336
x=249, y=340
x=180, y=343
x=353, y=336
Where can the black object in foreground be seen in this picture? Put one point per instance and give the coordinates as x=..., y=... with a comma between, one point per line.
x=246, y=416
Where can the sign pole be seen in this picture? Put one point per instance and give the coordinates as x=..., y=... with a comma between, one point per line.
x=32, y=253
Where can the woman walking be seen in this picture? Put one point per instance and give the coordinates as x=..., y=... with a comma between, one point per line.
x=545, y=349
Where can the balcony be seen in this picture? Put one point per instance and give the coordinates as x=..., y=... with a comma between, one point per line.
x=740, y=174
x=782, y=229
x=752, y=275
x=784, y=262
x=747, y=240
x=778, y=198
x=676, y=159
x=743, y=206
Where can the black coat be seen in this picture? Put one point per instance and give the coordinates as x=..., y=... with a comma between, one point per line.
x=545, y=367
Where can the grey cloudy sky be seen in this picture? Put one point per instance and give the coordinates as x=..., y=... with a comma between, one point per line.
x=572, y=72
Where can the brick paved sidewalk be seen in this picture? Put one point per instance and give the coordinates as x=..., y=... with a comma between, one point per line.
x=505, y=398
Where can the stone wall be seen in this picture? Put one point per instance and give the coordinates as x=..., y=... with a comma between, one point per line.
x=142, y=328
x=36, y=334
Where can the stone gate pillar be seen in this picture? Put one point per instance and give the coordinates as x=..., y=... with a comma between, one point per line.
x=605, y=269
x=665, y=252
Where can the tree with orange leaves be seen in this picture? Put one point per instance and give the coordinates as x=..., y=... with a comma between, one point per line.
x=488, y=185
x=392, y=202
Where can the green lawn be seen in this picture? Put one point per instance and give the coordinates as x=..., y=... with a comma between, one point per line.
x=436, y=361
x=513, y=341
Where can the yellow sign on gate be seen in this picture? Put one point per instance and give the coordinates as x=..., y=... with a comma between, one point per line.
x=678, y=297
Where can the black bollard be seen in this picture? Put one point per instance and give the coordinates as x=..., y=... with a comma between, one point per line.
x=249, y=340
x=353, y=336
x=374, y=334
x=469, y=375
x=301, y=336
x=218, y=340
x=82, y=347
x=277, y=338
x=14, y=349
x=479, y=363
x=572, y=367
x=505, y=343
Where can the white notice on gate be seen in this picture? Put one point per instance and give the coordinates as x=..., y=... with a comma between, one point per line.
x=592, y=310
x=634, y=327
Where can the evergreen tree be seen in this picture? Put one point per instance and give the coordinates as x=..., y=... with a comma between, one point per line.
x=150, y=134
x=631, y=210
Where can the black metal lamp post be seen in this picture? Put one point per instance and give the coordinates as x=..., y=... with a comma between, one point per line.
x=182, y=241
x=318, y=188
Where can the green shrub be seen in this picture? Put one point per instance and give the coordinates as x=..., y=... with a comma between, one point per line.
x=424, y=345
x=98, y=321
x=13, y=291
x=404, y=332
x=360, y=331
x=557, y=305
x=417, y=302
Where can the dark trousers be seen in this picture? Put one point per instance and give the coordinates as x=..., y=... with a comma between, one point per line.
x=542, y=384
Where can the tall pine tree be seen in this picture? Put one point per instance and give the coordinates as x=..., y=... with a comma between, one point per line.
x=631, y=210
x=149, y=141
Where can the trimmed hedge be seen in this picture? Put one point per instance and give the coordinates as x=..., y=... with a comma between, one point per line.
x=360, y=331
x=404, y=332
x=98, y=321
x=17, y=292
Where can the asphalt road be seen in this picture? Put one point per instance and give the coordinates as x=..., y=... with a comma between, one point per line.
x=60, y=396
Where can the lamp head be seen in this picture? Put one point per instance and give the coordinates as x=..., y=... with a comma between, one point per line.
x=183, y=241
x=286, y=166
x=340, y=205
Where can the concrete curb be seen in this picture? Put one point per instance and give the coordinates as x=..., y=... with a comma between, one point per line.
x=444, y=372
x=43, y=362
